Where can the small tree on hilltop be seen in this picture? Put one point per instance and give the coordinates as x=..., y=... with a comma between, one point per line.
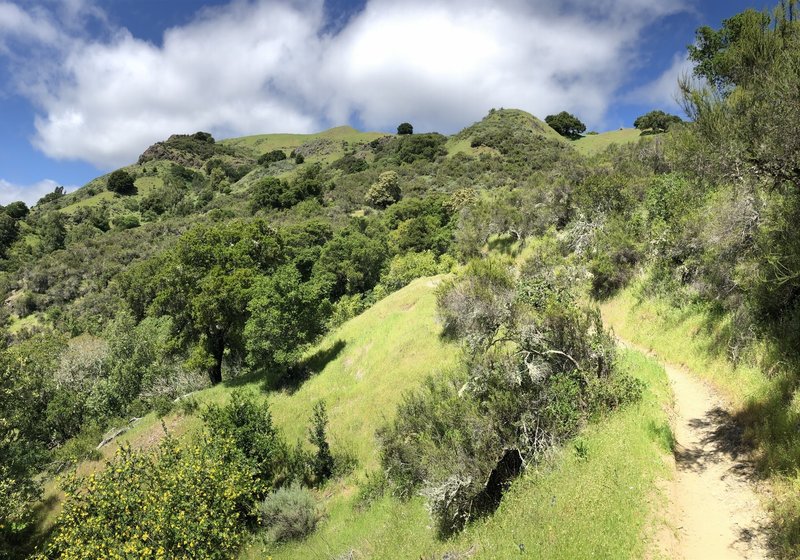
x=121, y=182
x=405, y=128
x=385, y=192
x=656, y=121
x=566, y=124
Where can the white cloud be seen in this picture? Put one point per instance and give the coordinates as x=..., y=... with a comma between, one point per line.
x=29, y=194
x=16, y=23
x=268, y=66
x=663, y=92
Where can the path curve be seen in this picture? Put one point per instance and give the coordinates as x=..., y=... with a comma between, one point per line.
x=714, y=508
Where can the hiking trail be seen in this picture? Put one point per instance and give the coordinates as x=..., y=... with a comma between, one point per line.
x=714, y=510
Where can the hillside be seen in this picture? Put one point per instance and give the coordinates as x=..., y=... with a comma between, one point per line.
x=365, y=345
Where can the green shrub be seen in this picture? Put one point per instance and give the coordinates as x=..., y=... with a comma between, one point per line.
x=537, y=367
x=174, y=502
x=121, y=182
x=372, y=489
x=248, y=424
x=405, y=268
x=272, y=157
x=162, y=405
x=323, y=460
x=126, y=221
x=288, y=513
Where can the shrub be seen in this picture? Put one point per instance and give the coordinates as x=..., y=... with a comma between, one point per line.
x=537, y=367
x=272, y=157
x=248, y=425
x=121, y=182
x=323, y=460
x=405, y=268
x=288, y=513
x=126, y=221
x=385, y=191
x=173, y=502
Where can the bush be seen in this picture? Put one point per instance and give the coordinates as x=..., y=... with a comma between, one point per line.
x=405, y=268
x=272, y=157
x=126, y=221
x=288, y=513
x=121, y=182
x=384, y=192
x=323, y=460
x=174, y=502
x=537, y=367
x=248, y=425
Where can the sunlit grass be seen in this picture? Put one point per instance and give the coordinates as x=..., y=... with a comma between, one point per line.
x=596, y=143
x=599, y=503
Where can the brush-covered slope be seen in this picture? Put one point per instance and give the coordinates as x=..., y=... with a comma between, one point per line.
x=592, y=498
x=190, y=159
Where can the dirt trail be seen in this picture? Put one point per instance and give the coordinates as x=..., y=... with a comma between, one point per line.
x=714, y=508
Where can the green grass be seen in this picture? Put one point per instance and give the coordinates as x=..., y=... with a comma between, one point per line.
x=145, y=185
x=596, y=143
x=89, y=202
x=18, y=324
x=688, y=336
x=601, y=503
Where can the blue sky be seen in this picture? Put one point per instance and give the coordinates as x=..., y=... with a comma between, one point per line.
x=87, y=85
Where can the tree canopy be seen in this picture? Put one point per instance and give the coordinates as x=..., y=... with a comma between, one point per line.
x=121, y=182
x=566, y=124
x=656, y=121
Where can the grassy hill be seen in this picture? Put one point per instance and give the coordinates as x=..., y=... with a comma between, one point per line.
x=361, y=370
x=505, y=131
x=593, y=496
x=326, y=145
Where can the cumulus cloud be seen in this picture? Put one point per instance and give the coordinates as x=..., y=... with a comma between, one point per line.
x=268, y=66
x=663, y=92
x=29, y=194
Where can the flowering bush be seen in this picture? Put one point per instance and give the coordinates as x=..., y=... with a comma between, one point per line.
x=176, y=502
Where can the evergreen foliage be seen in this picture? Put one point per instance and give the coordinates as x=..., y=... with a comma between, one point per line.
x=566, y=124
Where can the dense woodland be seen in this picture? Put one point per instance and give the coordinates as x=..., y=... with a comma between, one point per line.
x=211, y=261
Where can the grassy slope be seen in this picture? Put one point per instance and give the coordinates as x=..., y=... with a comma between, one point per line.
x=568, y=507
x=388, y=349
x=690, y=337
x=341, y=139
x=598, y=504
x=596, y=143
x=514, y=118
x=341, y=136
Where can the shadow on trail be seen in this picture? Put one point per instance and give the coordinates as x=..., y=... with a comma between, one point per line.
x=722, y=438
